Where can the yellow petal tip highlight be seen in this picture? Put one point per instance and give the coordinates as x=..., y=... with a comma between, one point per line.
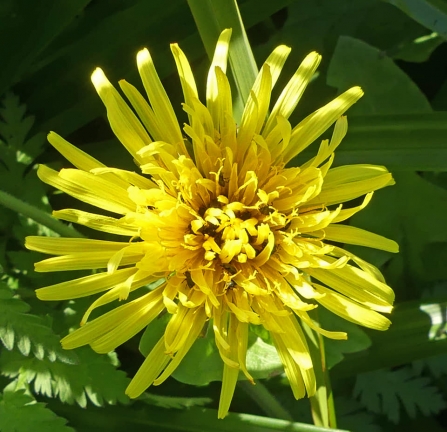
x=143, y=57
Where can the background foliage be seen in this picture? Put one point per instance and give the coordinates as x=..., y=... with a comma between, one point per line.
x=395, y=50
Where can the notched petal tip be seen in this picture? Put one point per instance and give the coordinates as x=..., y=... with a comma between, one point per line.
x=355, y=92
x=311, y=59
x=226, y=33
x=99, y=79
x=52, y=135
x=282, y=50
x=394, y=246
x=143, y=57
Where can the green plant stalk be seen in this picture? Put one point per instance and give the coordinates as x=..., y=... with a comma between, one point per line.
x=191, y=420
x=269, y=404
x=332, y=419
x=212, y=17
x=322, y=403
x=37, y=215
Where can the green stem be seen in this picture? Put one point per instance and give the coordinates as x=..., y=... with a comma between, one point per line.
x=269, y=404
x=332, y=418
x=37, y=215
x=322, y=403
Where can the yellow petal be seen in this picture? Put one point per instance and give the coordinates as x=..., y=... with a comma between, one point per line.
x=220, y=61
x=356, y=236
x=88, y=188
x=377, y=295
x=154, y=364
x=107, y=322
x=315, y=124
x=84, y=286
x=84, y=261
x=192, y=333
x=275, y=61
x=64, y=246
x=291, y=95
x=159, y=100
x=143, y=109
x=135, y=322
x=123, y=121
x=338, y=193
x=347, y=213
x=98, y=222
x=185, y=74
x=230, y=374
x=351, y=311
x=291, y=369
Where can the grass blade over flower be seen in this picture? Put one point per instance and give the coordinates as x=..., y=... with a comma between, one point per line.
x=236, y=237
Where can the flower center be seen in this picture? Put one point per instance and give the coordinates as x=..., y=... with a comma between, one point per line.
x=232, y=231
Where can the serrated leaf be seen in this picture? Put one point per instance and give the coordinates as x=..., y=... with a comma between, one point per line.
x=353, y=417
x=437, y=365
x=17, y=151
x=19, y=412
x=28, y=333
x=95, y=377
x=384, y=391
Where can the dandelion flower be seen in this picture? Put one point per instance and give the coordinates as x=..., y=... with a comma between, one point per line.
x=236, y=236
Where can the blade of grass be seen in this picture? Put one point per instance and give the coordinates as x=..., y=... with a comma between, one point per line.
x=430, y=13
x=40, y=23
x=213, y=16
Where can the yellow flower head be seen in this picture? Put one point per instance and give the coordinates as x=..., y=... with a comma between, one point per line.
x=236, y=236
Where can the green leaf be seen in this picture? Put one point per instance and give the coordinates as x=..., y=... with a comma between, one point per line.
x=29, y=28
x=358, y=339
x=18, y=153
x=28, y=333
x=418, y=331
x=437, y=365
x=61, y=88
x=401, y=142
x=17, y=150
x=19, y=412
x=380, y=391
x=95, y=377
x=419, y=50
x=430, y=13
x=388, y=90
x=352, y=416
x=394, y=213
